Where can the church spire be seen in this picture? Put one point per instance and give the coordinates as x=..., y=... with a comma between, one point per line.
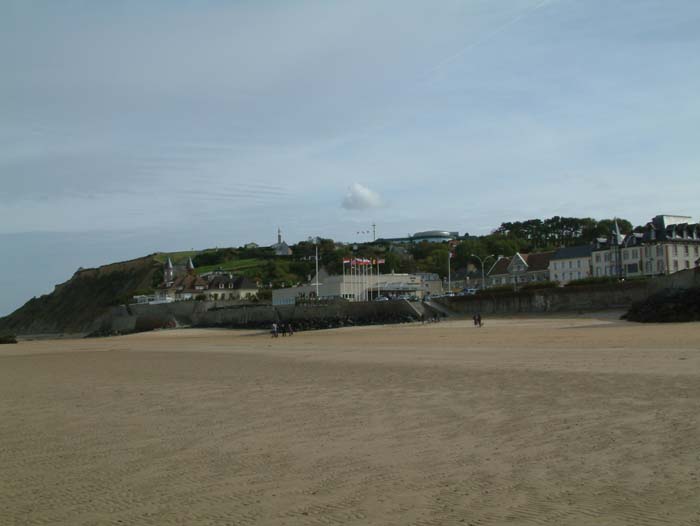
x=190, y=265
x=169, y=271
x=279, y=235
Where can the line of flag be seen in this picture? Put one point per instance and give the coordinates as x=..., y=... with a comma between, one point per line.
x=362, y=261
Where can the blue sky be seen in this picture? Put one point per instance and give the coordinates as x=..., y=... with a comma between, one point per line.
x=133, y=127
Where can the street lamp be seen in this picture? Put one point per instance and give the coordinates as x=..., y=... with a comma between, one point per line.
x=315, y=241
x=482, y=262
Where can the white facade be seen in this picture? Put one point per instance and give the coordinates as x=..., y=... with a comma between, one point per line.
x=565, y=270
x=364, y=287
x=645, y=260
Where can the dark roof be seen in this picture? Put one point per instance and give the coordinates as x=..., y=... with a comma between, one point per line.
x=243, y=282
x=221, y=279
x=539, y=261
x=581, y=251
x=188, y=282
x=500, y=267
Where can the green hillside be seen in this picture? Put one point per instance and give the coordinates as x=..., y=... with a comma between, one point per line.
x=74, y=305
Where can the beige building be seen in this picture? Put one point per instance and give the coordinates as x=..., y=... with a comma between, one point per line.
x=665, y=245
x=520, y=269
x=188, y=285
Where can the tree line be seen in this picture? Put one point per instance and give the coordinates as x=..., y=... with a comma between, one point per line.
x=532, y=235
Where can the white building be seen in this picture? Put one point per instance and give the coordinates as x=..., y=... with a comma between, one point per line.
x=352, y=287
x=570, y=263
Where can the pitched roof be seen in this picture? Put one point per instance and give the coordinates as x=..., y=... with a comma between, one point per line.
x=242, y=282
x=189, y=282
x=538, y=261
x=221, y=279
x=500, y=267
x=581, y=251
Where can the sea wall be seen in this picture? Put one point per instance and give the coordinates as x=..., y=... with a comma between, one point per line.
x=142, y=317
x=569, y=299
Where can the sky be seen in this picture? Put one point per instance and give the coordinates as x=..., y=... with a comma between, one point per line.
x=133, y=127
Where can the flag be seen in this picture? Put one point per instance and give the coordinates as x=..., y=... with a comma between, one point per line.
x=346, y=261
x=380, y=262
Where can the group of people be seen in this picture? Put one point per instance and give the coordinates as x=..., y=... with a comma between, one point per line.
x=284, y=328
x=477, y=320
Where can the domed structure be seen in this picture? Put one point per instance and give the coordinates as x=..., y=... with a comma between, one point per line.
x=434, y=236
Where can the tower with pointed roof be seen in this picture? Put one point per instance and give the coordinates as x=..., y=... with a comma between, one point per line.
x=168, y=271
x=190, y=266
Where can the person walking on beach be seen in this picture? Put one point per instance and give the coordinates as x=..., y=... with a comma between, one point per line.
x=290, y=329
x=478, y=319
x=273, y=332
x=283, y=328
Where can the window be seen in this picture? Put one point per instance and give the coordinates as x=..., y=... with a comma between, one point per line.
x=571, y=264
x=659, y=266
x=675, y=265
x=597, y=258
x=579, y=275
x=687, y=250
x=687, y=264
x=634, y=253
x=578, y=263
x=696, y=251
x=675, y=250
x=625, y=256
x=607, y=256
x=659, y=251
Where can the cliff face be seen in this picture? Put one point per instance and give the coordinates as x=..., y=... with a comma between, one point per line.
x=77, y=304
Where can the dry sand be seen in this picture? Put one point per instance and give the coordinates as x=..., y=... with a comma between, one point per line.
x=561, y=421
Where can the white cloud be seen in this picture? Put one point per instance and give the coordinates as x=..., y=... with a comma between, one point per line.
x=361, y=198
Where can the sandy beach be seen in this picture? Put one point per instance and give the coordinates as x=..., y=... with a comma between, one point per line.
x=581, y=420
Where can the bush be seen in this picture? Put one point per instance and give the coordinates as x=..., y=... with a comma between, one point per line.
x=539, y=285
x=8, y=338
x=603, y=280
x=498, y=289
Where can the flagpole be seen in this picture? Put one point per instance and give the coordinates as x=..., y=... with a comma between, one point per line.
x=449, y=272
x=342, y=287
x=354, y=280
x=364, y=285
x=369, y=280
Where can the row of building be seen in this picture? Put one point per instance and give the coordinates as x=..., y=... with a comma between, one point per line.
x=183, y=283
x=665, y=245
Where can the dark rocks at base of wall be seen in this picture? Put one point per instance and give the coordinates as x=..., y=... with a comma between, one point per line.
x=7, y=338
x=139, y=318
x=667, y=306
x=313, y=324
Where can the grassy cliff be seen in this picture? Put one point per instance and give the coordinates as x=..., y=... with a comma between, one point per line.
x=73, y=306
